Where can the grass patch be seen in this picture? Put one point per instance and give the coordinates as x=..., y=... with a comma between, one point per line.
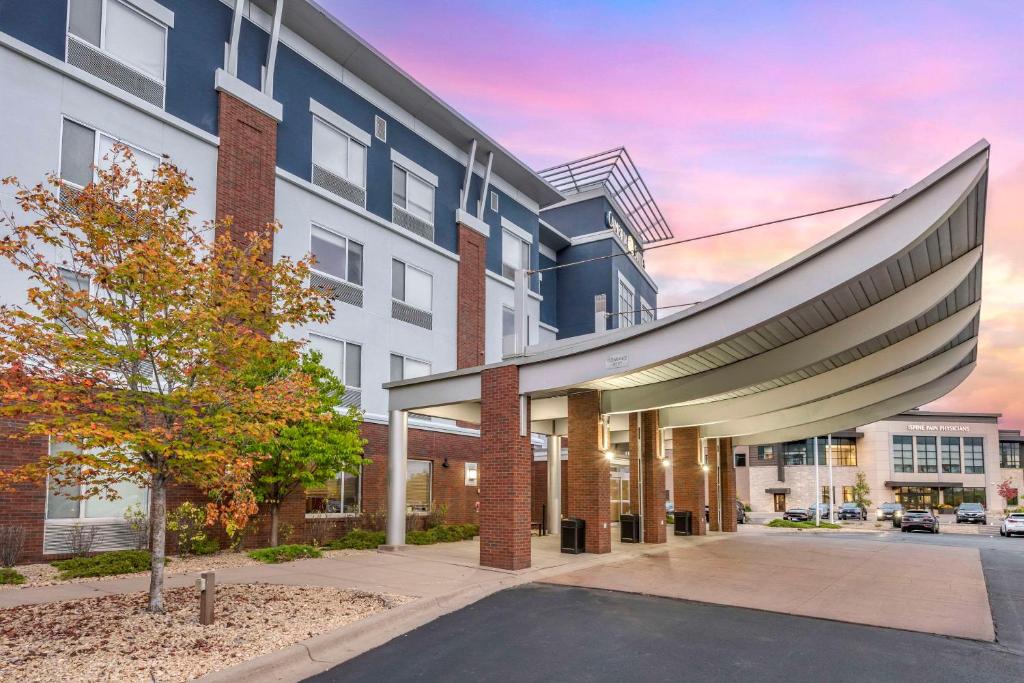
x=358, y=539
x=284, y=553
x=9, y=576
x=104, y=564
x=787, y=524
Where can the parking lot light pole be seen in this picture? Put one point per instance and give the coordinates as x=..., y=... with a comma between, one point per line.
x=831, y=487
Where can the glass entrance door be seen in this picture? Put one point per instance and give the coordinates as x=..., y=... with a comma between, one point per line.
x=619, y=493
x=780, y=502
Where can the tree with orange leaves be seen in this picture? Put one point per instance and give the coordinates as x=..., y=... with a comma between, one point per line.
x=137, y=341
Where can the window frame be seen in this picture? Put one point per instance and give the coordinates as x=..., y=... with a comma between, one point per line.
x=899, y=464
x=68, y=35
x=524, y=248
x=946, y=464
x=340, y=476
x=979, y=442
x=94, y=165
x=316, y=117
x=397, y=164
x=405, y=358
x=1009, y=461
x=344, y=357
x=647, y=312
x=405, y=280
x=430, y=486
x=843, y=452
x=927, y=459
x=348, y=241
x=623, y=319
x=83, y=503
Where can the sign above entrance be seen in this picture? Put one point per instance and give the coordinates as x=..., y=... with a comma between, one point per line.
x=619, y=360
x=938, y=428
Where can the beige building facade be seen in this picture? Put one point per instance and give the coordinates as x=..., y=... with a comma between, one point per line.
x=919, y=458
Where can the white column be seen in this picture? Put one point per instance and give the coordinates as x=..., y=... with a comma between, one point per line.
x=398, y=433
x=817, y=486
x=831, y=487
x=554, y=499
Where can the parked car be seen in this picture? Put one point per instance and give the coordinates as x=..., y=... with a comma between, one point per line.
x=971, y=512
x=823, y=510
x=1013, y=524
x=797, y=515
x=887, y=511
x=919, y=520
x=741, y=514
x=852, y=511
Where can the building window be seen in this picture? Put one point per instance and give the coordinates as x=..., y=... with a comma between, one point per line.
x=472, y=474
x=417, y=485
x=950, y=446
x=796, y=453
x=740, y=458
x=927, y=455
x=515, y=254
x=627, y=298
x=646, y=312
x=766, y=452
x=903, y=454
x=848, y=494
x=84, y=149
x=337, y=256
x=844, y=451
x=339, y=154
x=917, y=497
x=508, y=330
x=403, y=367
x=411, y=286
x=956, y=495
x=826, y=496
x=412, y=194
x=344, y=359
x=974, y=455
x=339, y=496
x=61, y=503
x=122, y=32
x=1009, y=454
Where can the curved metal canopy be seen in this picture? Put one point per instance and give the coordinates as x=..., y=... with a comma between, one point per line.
x=878, y=318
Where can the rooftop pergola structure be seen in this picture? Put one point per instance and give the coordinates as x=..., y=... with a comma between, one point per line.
x=878, y=318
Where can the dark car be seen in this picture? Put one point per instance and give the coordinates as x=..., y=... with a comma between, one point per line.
x=741, y=514
x=971, y=512
x=798, y=514
x=852, y=511
x=888, y=510
x=919, y=520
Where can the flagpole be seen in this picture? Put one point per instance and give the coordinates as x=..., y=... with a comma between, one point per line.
x=817, y=487
x=831, y=487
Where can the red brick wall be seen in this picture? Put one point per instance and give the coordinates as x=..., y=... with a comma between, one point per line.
x=654, y=480
x=246, y=162
x=687, y=475
x=634, y=464
x=713, y=475
x=471, y=292
x=728, y=485
x=507, y=460
x=25, y=506
x=588, y=474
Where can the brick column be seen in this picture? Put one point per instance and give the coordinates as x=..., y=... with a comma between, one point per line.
x=246, y=162
x=713, y=473
x=653, y=502
x=506, y=459
x=471, y=292
x=588, y=472
x=728, y=485
x=687, y=476
x=25, y=504
x=635, y=504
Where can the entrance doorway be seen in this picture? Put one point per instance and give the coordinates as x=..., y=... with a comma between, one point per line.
x=779, y=500
x=619, y=493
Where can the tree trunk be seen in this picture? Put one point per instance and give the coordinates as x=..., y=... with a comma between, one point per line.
x=274, y=510
x=157, y=541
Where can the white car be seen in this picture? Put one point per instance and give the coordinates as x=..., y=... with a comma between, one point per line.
x=1013, y=524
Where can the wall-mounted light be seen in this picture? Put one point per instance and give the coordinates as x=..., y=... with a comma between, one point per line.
x=610, y=455
x=445, y=463
x=705, y=468
x=664, y=462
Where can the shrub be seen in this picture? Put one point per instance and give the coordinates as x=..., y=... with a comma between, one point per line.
x=12, y=542
x=787, y=524
x=104, y=564
x=437, y=516
x=80, y=539
x=358, y=539
x=443, y=534
x=188, y=522
x=206, y=547
x=284, y=553
x=9, y=576
x=746, y=507
x=138, y=521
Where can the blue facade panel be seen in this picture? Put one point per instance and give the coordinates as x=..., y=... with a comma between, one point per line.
x=40, y=23
x=580, y=218
x=578, y=285
x=549, y=290
x=195, y=50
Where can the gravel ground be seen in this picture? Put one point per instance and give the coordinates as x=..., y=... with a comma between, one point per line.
x=44, y=575
x=112, y=638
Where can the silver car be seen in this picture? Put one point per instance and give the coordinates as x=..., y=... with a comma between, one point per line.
x=1013, y=524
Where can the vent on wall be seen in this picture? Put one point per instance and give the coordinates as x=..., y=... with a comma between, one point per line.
x=339, y=186
x=336, y=289
x=494, y=201
x=87, y=58
x=380, y=128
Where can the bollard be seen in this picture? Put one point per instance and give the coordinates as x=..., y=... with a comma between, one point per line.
x=207, y=587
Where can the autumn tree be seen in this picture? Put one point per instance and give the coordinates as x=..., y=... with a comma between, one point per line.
x=308, y=452
x=137, y=337
x=1007, y=491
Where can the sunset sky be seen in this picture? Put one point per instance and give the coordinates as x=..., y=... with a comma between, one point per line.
x=742, y=112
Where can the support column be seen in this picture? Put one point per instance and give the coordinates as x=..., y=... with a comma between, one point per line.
x=688, y=476
x=728, y=470
x=635, y=504
x=471, y=292
x=554, y=492
x=653, y=503
x=506, y=460
x=588, y=471
x=714, y=472
x=398, y=439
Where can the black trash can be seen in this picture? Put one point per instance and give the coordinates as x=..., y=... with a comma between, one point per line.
x=683, y=523
x=573, y=540
x=629, y=525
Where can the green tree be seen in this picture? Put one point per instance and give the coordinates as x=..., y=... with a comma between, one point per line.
x=308, y=452
x=861, y=491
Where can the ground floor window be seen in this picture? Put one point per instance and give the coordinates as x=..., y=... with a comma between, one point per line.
x=341, y=495
x=826, y=495
x=917, y=497
x=62, y=502
x=619, y=491
x=417, y=485
x=970, y=494
x=848, y=494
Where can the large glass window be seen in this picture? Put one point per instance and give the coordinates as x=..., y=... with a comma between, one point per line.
x=343, y=358
x=848, y=494
x=417, y=485
x=956, y=495
x=627, y=304
x=338, y=153
x=974, y=455
x=844, y=451
x=337, y=256
x=515, y=254
x=766, y=452
x=917, y=497
x=647, y=313
x=340, y=495
x=84, y=149
x=950, y=446
x=411, y=193
x=796, y=453
x=403, y=367
x=411, y=285
x=122, y=32
x=1009, y=454
x=903, y=454
x=61, y=501
x=927, y=455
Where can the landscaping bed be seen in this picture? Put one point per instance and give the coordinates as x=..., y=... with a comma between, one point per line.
x=113, y=638
x=787, y=524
